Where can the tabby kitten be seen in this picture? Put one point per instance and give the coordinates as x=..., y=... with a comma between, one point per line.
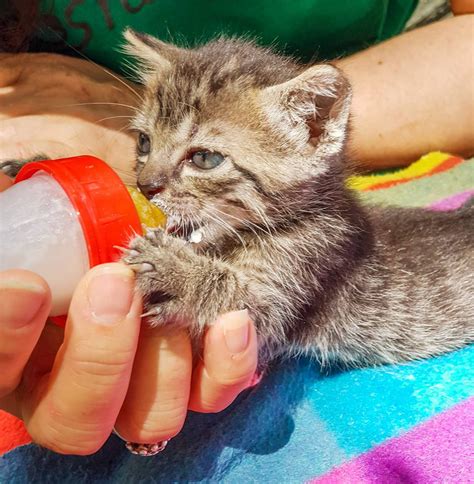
x=245, y=152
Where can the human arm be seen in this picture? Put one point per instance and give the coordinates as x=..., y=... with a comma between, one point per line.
x=413, y=94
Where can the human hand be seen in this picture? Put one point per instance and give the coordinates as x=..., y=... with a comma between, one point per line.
x=62, y=106
x=105, y=371
x=71, y=390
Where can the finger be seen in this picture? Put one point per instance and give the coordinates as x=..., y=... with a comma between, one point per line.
x=5, y=182
x=73, y=410
x=24, y=137
x=157, y=400
x=25, y=302
x=228, y=365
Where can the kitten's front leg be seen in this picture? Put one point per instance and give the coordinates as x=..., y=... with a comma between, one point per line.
x=181, y=286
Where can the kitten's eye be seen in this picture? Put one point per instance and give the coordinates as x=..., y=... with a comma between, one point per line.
x=206, y=160
x=144, y=144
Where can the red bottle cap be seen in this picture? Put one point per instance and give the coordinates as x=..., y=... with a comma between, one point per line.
x=104, y=207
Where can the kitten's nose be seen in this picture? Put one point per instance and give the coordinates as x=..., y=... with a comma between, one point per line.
x=151, y=189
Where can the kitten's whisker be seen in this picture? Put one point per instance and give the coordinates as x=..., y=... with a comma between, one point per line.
x=246, y=223
x=265, y=220
x=241, y=220
x=112, y=117
x=99, y=104
x=111, y=74
x=228, y=227
x=131, y=69
x=123, y=128
x=189, y=106
x=212, y=215
x=127, y=175
x=191, y=220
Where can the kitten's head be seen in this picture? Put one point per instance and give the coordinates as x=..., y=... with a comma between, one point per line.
x=229, y=132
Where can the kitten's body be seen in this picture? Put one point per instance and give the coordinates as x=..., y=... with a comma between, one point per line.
x=401, y=290
x=362, y=286
x=396, y=286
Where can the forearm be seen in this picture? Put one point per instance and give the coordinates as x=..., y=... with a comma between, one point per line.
x=414, y=94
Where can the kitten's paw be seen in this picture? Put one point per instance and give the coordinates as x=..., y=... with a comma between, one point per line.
x=154, y=242
x=159, y=238
x=155, y=248
x=162, y=267
x=168, y=310
x=160, y=263
x=12, y=167
x=143, y=255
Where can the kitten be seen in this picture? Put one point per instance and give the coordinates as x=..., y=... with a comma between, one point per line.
x=244, y=150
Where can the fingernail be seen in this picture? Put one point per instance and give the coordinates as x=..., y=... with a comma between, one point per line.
x=22, y=302
x=110, y=294
x=236, y=330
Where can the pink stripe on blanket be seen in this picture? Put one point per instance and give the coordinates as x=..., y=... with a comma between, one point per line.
x=440, y=450
x=453, y=202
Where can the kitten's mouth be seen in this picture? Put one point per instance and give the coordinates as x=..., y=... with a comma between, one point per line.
x=184, y=230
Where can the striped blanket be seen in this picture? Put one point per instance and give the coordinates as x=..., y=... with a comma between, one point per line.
x=393, y=424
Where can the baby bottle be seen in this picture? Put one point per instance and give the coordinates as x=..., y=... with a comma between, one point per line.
x=62, y=217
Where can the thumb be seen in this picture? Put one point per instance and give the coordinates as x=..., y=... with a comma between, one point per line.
x=25, y=302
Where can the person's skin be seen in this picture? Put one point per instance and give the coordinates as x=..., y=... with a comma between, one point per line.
x=107, y=370
x=63, y=106
x=414, y=94
x=462, y=7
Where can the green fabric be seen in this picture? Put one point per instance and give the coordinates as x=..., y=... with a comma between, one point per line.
x=306, y=28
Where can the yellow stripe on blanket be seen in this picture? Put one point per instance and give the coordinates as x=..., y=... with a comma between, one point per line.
x=424, y=166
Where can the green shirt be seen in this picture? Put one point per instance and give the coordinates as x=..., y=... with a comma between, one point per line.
x=322, y=29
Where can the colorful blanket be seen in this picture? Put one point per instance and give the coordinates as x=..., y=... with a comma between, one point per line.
x=393, y=424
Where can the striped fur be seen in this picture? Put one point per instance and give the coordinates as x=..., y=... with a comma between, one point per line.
x=322, y=274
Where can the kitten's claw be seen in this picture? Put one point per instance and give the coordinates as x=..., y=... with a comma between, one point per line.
x=151, y=312
x=147, y=267
x=142, y=267
x=155, y=235
x=152, y=230
x=124, y=250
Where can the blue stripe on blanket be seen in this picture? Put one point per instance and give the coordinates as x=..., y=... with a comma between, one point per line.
x=297, y=424
x=365, y=407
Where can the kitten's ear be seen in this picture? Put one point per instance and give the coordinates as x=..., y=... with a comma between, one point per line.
x=315, y=104
x=154, y=55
